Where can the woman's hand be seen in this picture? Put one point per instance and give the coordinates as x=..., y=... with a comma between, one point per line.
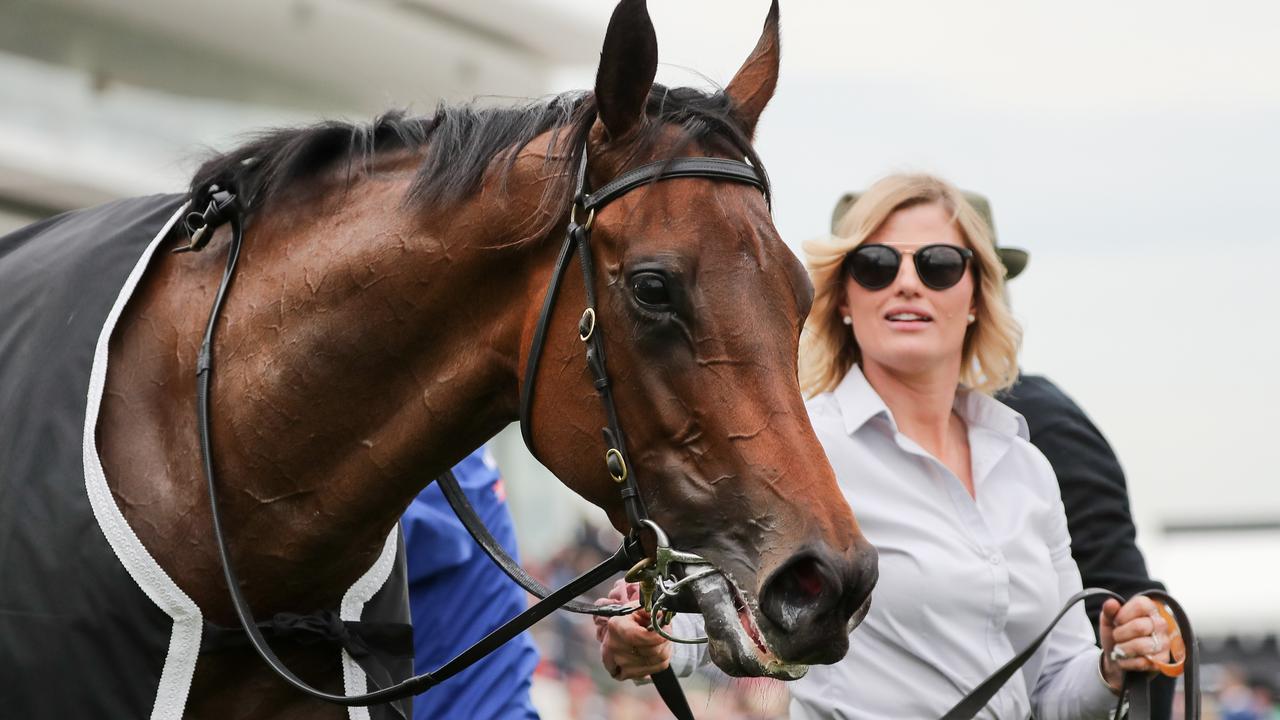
x=628, y=648
x=1130, y=634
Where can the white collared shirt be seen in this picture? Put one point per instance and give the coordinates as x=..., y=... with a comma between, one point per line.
x=964, y=584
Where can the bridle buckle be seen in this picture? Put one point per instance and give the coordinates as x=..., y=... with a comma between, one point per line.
x=617, y=467
x=200, y=223
x=573, y=217
x=587, y=324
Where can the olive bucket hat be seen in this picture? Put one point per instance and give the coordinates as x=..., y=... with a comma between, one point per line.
x=1014, y=259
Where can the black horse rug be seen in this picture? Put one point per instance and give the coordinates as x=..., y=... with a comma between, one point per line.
x=90, y=625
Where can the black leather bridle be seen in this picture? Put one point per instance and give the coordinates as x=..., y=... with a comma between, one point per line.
x=589, y=331
x=653, y=564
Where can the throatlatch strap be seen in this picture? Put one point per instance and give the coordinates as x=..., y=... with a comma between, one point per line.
x=539, y=339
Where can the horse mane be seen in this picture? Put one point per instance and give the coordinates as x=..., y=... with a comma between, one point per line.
x=460, y=144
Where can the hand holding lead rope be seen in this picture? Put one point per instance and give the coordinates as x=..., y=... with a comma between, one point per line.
x=1139, y=636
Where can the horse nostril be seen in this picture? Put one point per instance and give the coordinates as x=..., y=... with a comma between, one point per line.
x=799, y=591
x=807, y=578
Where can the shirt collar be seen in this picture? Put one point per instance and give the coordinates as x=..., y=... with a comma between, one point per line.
x=859, y=403
x=981, y=410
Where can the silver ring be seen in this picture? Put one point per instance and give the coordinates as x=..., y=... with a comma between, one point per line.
x=1156, y=643
x=1118, y=654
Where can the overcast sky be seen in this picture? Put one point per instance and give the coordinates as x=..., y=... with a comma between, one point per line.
x=1131, y=147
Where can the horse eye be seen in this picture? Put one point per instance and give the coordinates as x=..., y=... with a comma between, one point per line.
x=650, y=289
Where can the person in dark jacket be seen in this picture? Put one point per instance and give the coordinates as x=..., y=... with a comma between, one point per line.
x=1096, y=499
x=1094, y=492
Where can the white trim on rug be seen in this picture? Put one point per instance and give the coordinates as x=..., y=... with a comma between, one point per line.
x=184, y=643
x=352, y=608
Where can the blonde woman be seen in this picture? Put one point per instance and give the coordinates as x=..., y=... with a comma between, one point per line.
x=908, y=338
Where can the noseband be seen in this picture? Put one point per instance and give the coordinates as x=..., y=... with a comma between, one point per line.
x=656, y=571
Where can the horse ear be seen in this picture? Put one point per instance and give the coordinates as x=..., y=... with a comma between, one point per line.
x=753, y=86
x=628, y=64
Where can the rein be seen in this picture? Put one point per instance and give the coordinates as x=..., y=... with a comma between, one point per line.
x=655, y=570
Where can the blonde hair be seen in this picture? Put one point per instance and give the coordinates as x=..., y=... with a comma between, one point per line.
x=828, y=349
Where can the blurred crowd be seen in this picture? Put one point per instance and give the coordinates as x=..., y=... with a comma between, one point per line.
x=1233, y=692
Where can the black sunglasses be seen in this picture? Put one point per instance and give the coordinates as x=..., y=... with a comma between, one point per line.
x=876, y=266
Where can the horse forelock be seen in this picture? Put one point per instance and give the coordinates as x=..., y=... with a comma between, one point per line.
x=458, y=145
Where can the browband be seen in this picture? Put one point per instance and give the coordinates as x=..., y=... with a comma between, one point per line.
x=685, y=167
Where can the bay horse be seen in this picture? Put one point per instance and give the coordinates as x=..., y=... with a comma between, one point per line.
x=378, y=330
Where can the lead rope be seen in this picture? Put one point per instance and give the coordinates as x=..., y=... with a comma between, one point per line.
x=1136, y=685
x=466, y=513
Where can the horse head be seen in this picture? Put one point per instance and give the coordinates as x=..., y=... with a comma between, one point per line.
x=701, y=306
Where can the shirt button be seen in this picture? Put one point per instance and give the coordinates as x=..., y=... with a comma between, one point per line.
x=995, y=559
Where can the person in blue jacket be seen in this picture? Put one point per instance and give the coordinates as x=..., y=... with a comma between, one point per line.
x=457, y=596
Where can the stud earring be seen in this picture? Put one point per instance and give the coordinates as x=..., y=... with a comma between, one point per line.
x=972, y=318
x=848, y=320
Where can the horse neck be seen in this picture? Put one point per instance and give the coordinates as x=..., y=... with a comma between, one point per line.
x=371, y=348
